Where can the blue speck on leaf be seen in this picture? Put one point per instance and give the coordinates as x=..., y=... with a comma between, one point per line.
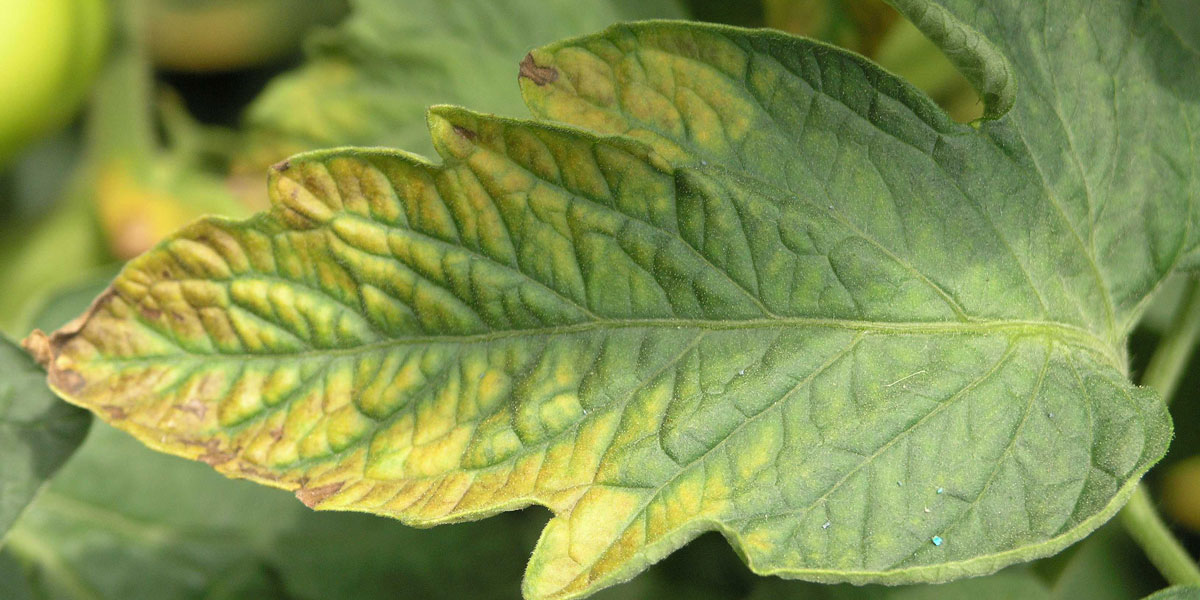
x=937, y=540
x=940, y=490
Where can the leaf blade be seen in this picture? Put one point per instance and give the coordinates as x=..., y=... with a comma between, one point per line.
x=649, y=345
x=369, y=81
x=872, y=150
x=1074, y=122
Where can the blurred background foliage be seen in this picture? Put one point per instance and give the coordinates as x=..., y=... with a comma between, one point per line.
x=122, y=120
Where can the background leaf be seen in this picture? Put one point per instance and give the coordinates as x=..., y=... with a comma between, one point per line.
x=1176, y=593
x=1106, y=566
x=37, y=432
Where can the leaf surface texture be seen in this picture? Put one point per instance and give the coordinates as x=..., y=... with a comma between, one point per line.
x=751, y=283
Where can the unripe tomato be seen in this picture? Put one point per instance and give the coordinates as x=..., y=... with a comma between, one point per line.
x=50, y=51
x=219, y=35
x=1181, y=492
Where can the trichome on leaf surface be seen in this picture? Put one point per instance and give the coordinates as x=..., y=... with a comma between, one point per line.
x=725, y=280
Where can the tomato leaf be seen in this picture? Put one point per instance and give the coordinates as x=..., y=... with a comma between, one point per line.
x=37, y=432
x=1179, y=592
x=118, y=508
x=1108, y=565
x=1015, y=582
x=758, y=285
x=369, y=81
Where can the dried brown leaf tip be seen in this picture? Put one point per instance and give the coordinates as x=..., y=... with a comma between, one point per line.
x=38, y=346
x=44, y=349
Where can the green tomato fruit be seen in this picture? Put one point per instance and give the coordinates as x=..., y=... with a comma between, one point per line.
x=1181, y=492
x=50, y=51
x=220, y=35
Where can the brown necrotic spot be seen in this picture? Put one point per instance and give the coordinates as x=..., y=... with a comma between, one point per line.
x=536, y=73
x=113, y=412
x=253, y=472
x=466, y=133
x=194, y=407
x=311, y=497
x=67, y=381
x=215, y=456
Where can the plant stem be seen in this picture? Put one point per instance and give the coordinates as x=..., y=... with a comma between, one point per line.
x=1147, y=528
x=1139, y=516
x=1171, y=356
x=120, y=124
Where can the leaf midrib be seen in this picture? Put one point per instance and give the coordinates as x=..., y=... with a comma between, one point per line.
x=1063, y=333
